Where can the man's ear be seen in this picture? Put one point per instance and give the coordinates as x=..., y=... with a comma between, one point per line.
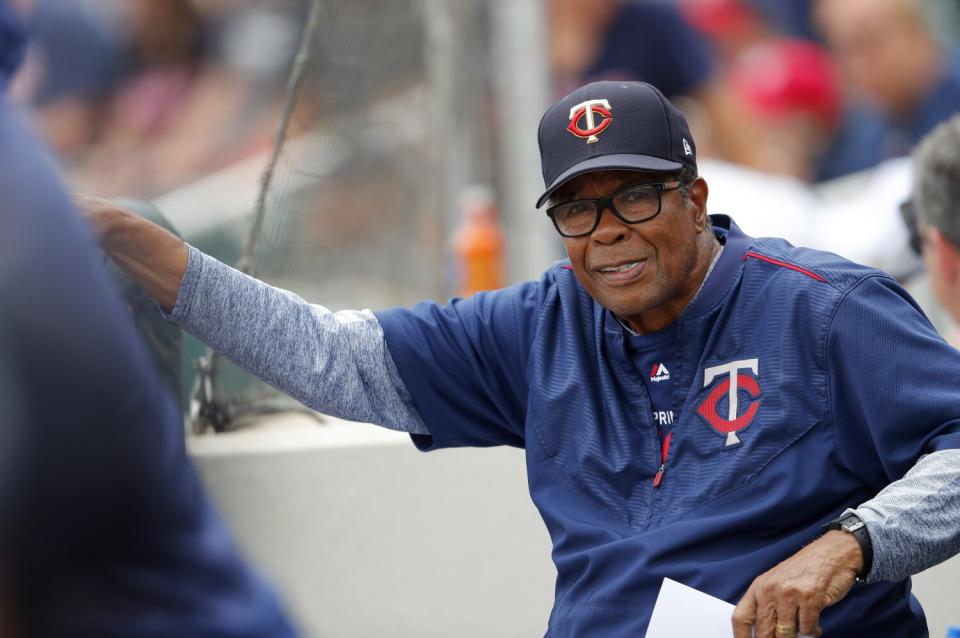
x=947, y=255
x=698, y=198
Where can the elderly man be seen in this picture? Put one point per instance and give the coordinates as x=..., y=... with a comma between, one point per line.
x=729, y=412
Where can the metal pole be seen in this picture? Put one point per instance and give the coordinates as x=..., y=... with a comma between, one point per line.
x=523, y=93
x=455, y=72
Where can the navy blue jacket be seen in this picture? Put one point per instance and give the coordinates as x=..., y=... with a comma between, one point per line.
x=841, y=384
x=105, y=529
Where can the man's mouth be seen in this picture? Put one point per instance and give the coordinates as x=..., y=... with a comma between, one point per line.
x=623, y=273
x=622, y=268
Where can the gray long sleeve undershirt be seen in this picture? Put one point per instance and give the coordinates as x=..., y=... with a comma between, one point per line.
x=914, y=523
x=338, y=364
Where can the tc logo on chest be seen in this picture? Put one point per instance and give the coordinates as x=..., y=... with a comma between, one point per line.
x=739, y=391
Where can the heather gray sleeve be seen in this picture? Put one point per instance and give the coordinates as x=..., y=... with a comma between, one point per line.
x=336, y=363
x=914, y=523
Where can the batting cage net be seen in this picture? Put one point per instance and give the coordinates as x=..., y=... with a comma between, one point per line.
x=387, y=119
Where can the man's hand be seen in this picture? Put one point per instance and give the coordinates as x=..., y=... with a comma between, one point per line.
x=100, y=214
x=789, y=598
x=154, y=257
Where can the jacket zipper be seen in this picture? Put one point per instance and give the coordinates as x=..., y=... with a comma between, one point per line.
x=664, y=450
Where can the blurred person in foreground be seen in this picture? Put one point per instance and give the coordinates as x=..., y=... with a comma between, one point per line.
x=894, y=63
x=105, y=529
x=694, y=403
x=932, y=212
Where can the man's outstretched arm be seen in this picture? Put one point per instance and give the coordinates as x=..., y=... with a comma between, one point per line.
x=336, y=363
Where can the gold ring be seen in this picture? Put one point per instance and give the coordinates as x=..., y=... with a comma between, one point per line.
x=785, y=630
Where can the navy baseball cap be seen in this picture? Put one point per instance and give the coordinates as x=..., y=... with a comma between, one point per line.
x=612, y=125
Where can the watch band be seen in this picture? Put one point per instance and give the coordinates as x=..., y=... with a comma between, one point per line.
x=854, y=525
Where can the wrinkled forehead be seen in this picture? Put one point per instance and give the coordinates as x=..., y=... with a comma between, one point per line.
x=601, y=183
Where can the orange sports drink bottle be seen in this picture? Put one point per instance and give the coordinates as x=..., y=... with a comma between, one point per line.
x=478, y=244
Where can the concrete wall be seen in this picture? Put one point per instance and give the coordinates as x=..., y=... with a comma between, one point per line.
x=365, y=536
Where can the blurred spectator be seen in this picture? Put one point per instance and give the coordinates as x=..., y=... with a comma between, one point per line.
x=892, y=59
x=141, y=96
x=792, y=17
x=793, y=98
x=732, y=26
x=649, y=41
x=77, y=58
x=166, y=50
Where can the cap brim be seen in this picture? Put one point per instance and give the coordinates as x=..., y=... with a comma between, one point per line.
x=611, y=162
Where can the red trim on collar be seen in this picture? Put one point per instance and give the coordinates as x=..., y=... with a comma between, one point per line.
x=783, y=264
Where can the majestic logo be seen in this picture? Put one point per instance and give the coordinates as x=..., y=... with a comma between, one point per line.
x=587, y=112
x=659, y=373
x=734, y=381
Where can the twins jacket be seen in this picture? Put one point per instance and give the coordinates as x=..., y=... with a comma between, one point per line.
x=805, y=384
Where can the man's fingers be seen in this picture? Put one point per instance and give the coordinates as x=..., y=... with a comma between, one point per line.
x=809, y=617
x=786, y=622
x=744, y=615
x=766, y=617
x=97, y=212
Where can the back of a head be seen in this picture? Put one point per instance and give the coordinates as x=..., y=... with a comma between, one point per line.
x=936, y=189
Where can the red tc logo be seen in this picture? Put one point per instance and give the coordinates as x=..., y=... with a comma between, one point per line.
x=730, y=388
x=586, y=111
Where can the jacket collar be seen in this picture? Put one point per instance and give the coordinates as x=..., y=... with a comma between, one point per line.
x=735, y=246
x=724, y=273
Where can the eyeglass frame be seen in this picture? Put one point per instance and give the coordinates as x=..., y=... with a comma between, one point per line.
x=604, y=203
x=908, y=212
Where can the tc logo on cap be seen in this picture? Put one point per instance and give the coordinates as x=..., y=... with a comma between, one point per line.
x=586, y=111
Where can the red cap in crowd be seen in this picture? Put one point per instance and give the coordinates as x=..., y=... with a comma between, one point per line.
x=783, y=77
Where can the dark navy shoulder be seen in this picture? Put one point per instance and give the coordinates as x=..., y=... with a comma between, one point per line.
x=807, y=265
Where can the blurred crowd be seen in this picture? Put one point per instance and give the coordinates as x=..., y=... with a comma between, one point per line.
x=812, y=89
x=139, y=96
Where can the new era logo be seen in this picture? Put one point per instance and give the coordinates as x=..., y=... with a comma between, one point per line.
x=686, y=147
x=659, y=373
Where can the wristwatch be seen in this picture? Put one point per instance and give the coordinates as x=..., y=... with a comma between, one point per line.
x=852, y=524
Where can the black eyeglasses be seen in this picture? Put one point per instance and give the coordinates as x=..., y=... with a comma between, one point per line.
x=633, y=204
x=909, y=214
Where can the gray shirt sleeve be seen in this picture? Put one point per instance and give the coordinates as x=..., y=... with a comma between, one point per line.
x=334, y=362
x=914, y=523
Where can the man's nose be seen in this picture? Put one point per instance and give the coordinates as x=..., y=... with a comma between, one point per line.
x=610, y=228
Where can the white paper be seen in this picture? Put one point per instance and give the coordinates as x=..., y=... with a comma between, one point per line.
x=685, y=611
